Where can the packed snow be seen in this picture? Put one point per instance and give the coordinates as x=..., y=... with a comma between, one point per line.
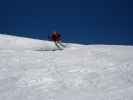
x=79, y=72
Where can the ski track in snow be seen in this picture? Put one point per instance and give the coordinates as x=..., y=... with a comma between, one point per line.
x=79, y=72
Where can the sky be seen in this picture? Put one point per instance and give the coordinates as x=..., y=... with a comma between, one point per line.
x=78, y=21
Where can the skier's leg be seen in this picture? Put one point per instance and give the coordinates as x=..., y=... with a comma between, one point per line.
x=61, y=44
x=57, y=45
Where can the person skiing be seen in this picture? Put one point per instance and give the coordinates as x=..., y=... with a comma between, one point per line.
x=56, y=38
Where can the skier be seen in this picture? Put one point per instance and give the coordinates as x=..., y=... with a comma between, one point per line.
x=56, y=38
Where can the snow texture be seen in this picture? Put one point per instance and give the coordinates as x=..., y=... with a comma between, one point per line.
x=79, y=72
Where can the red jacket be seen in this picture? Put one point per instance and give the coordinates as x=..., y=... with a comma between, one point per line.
x=56, y=36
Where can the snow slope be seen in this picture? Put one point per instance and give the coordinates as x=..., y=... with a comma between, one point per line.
x=79, y=72
x=19, y=43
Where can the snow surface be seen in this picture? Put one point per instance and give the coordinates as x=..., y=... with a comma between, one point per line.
x=79, y=72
